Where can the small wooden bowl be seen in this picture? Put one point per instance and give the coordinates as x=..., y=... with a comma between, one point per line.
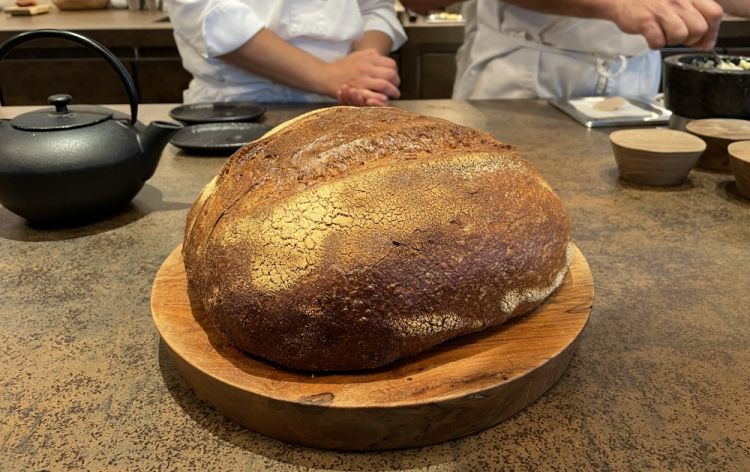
x=655, y=156
x=740, y=163
x=718, y=133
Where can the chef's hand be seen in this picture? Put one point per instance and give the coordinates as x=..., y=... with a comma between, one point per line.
x=688, y=22
x=365, y=70
x=361, y=97
x=268, y=55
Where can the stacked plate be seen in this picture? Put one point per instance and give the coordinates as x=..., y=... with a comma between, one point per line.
x=218, y=128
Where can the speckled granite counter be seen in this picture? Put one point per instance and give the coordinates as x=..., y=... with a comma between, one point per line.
x=659, y=382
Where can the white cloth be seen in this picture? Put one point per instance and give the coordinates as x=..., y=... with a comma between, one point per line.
x=512, y=52
x=205, y=29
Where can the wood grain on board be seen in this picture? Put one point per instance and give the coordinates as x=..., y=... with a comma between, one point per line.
x=457, y=388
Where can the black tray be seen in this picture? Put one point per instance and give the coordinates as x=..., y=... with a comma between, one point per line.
x=217, y=112
x=217, y=138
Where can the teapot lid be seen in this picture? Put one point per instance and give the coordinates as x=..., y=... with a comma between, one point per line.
x=60, y=118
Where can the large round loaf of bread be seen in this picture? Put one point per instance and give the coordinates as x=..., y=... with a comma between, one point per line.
x=352, y=237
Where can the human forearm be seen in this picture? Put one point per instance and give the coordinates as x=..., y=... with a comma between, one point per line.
x=373, y=40
x=268, y=55
x=379, y=17
x=578, y=8
x=660, y=22
x=736, y=7
x=376, y=40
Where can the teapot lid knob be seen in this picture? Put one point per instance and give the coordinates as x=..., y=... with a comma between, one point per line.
x=62, y=117
x=60, y=102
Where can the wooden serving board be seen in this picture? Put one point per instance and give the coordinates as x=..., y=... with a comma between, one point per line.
x=30, y=10
x=457, y=388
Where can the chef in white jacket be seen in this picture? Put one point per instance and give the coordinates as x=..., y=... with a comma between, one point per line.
x=539, y=48
x=562, y=56
x=288, y=50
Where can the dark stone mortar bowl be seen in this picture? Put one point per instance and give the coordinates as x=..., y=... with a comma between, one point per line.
x=694, y=92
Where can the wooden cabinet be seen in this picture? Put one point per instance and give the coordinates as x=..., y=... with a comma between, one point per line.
x=427, y=62
x=161, y=78
x=28, y=76
x=141, y=40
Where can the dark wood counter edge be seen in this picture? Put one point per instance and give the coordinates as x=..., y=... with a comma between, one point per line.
x=143, y=37
x=735, y=28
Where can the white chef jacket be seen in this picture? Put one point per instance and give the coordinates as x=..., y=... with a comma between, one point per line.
x=512, y=52
x=205, y=29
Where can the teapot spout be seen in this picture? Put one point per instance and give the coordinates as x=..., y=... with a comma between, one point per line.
x=152, y=140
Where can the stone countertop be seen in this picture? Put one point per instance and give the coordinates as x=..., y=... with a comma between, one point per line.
x=114, y=28
x=659, y=381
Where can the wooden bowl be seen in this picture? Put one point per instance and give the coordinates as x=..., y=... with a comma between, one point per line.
x=739, y=161
x=655, y=156
x=718, y=133
x=80, y=4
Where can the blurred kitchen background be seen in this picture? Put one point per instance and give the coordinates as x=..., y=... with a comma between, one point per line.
x=140, y=34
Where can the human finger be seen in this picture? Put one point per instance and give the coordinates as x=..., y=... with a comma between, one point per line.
x=379, y=85
x=364, y=97
x=380, y=66
x=653, y=34
x=391, y=75
x=713, y=13
x=374, y=102
x=342, y=95
x=384, y=61
x=373, y=98
x=373, y=56
x=349, y=96
x=674, y=28
x=696, y=23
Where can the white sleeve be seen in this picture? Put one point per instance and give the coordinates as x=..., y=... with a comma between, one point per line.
x=380, y=15
x=214, y=27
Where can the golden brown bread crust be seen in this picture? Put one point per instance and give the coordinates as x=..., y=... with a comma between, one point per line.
x=357, y=236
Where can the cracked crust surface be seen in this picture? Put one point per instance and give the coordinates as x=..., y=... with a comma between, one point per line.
x=353, y=237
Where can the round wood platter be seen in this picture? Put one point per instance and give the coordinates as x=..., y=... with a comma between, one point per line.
x=457, y=388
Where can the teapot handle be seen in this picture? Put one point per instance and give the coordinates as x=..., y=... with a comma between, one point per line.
x=89, y=43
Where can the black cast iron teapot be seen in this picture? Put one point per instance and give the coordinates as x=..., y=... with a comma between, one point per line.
x=72, y=164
